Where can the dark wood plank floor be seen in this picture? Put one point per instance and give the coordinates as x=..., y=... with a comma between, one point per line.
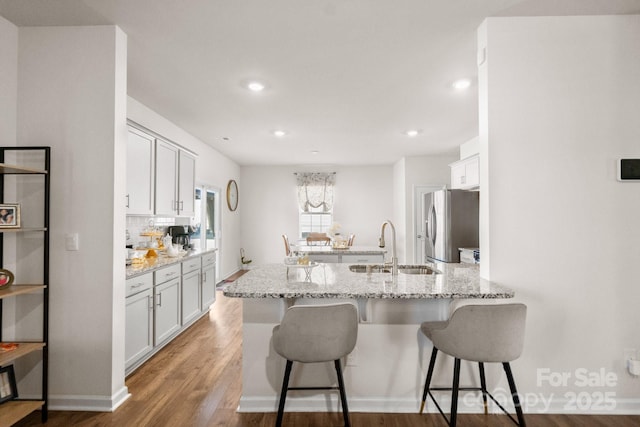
x=196, y=381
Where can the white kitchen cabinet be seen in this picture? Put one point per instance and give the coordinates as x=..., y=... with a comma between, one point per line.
x=362, y=259
x=138, y=319
x=208, y=282
x=140, y=162
x=166, y=179
x=186, y=184
x=190, y=289
x=465, y=174
x=167, y=318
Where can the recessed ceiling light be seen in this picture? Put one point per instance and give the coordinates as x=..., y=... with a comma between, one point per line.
x=462, y=84
x=314, y=152
x=255, y=86
x=279, y=133
x=412, y=133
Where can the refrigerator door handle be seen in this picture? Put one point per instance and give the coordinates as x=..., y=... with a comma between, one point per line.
x=434, y=225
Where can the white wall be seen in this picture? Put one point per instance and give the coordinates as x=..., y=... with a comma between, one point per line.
x=421, y=171
x=72, y=96
x=559, y=100
x=212, y=168
x=363, y=200
x=8, y=81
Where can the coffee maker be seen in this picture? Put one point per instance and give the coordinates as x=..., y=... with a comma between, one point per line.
x=179, y=235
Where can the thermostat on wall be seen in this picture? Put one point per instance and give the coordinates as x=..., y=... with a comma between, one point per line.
x=629, y=170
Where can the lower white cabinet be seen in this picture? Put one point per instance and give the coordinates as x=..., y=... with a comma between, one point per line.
x=163, y=303
x=166, y=310
x=208, y=281
x=324, y=258
x=190, y=296
x=138, y=319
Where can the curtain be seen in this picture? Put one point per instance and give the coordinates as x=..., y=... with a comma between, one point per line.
x=315, y=190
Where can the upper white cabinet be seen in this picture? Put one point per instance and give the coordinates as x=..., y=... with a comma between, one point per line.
x=166, y=178
x=186, y=184
x=139, y=173
x=175, y=180
x=465, y=174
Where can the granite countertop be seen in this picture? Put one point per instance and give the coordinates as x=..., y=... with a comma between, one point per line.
x=353, y=250
x=337, y=281
x=162, y=260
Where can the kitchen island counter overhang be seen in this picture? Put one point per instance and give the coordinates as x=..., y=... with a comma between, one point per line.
x=385, y=370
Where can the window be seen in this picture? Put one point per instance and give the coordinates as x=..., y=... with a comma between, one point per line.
x=315, y=220
x=315, y=201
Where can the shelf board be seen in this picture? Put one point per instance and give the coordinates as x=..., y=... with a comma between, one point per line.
x=14, y=410
x=13, y=169
x=23, y=348
x=12, y=290
x=22, y=230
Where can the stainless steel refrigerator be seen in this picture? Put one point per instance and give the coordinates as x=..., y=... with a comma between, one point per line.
x=451, y=222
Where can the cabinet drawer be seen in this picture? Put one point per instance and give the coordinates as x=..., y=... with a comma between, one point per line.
x=208, y=259
x=167, y=273
x=363, y=259
x=191, y=264
x=138, y=284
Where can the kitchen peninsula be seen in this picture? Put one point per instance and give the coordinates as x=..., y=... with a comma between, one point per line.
x=384, y=372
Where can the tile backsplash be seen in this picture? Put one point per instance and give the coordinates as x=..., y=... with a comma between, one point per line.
x=138, y=224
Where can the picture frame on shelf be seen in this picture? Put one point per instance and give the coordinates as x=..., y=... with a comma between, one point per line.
x=8, y=388
x=9, y=215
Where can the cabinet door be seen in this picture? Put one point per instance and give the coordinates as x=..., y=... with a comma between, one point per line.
x=166, y=175
x=186, y=184
x=208, y=286
x=190, y=296
x=472, y=172
x=138, y=326
x=457, y=175
x=167, y=310
x=139, y=173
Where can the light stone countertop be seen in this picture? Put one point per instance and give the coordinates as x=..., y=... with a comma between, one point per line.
x=152, y=264
x=353, y=250
x=334, y=280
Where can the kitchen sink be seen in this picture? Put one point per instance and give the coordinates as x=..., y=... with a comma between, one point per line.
x=371, y=268
x=404, y=269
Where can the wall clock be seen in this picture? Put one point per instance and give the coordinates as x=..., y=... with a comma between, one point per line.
x=232, y=195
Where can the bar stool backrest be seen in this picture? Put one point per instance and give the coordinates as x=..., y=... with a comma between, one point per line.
x=483, y=333
x=317, y=333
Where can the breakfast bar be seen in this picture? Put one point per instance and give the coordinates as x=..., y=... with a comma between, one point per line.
x=385, y=370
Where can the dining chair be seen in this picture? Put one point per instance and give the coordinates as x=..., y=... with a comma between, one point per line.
x=287, y=247
x=351, y=239
x=318, y=239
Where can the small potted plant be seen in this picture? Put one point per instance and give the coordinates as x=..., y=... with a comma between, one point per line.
x=243, y=259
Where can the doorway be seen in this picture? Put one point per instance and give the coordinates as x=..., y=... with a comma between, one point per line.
x=206, y=222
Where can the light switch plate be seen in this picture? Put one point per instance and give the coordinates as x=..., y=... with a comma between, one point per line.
x=72, y=241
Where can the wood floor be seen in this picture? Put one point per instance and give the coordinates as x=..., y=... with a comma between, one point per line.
x=196, y=381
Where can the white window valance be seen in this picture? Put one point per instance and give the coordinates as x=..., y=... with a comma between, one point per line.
x=315, y=190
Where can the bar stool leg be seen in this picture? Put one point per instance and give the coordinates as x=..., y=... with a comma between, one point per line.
x=454, y=394
x=283, y=393
x=514, y=394
x=343, y=394
x=427, y=383
x=483, y=385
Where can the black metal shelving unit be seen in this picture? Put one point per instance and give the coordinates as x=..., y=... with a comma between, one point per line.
x=14, y=410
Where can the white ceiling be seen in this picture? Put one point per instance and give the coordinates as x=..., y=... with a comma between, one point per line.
x=345, y=77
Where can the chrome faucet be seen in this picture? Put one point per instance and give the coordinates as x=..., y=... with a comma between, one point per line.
x=394, y=255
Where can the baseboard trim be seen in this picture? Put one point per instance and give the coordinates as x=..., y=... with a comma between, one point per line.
x=330, y=403
x=89, y=403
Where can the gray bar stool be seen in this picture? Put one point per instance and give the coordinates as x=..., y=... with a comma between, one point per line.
x=312, y=334
x=478, y=333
